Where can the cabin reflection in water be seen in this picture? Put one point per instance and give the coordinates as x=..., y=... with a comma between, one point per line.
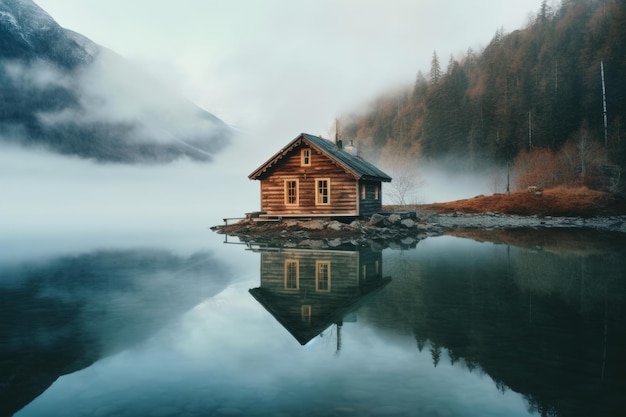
x=308, y=290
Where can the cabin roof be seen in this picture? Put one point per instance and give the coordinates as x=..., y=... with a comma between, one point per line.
x=280, y=306
x=357, y=166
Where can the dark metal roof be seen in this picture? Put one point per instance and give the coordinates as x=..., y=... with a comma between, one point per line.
x=358, y=166
x=331, y=311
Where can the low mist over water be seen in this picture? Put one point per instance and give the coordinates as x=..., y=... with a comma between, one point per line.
x=117, y=300
x=132, y=306
x=445, y=326
x=47, y=196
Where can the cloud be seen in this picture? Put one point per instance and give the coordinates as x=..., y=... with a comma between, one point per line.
x=111, y=91
x=283, y=67
x=37, y=75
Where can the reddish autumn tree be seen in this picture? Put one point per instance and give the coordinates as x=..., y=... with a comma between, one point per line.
x=537, y=168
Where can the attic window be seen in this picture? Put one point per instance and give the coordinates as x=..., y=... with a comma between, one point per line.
x=306, y=313
x=305, y=157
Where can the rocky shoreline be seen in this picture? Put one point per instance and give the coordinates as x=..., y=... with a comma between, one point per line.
x=502, y=221
x=403, y=229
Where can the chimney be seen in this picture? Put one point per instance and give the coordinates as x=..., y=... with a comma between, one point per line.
x=338, y=141
x=351, y=149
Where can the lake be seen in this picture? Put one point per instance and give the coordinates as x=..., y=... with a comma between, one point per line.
x=117, y=300
x=183, y=324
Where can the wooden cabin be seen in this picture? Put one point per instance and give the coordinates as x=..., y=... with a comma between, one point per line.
x=313, y=176
x=309, y=290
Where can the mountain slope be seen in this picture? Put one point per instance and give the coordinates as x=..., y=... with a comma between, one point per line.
x=63, y=92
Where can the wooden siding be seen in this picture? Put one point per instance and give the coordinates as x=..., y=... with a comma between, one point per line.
x=306, y=311
x=344, y=267
x=349, y=269
x=370, y=204
x=343, y=191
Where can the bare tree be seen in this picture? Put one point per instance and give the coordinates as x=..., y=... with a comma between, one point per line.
x=406, y=178
x=583, y=157
x=499, y=182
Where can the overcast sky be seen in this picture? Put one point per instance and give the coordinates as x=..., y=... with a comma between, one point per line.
x=281, y=67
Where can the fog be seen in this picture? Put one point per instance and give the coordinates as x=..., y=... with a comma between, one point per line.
x=36, y=75
x=443, y=181
x=53, y=204
x=107, y=109
x=272, y=72
x=286, y=67
x=113, y=91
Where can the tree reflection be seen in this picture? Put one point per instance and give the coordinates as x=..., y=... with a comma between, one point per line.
x=548, y=323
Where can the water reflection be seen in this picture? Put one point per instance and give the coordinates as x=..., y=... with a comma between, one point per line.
x=534, y=324
x=308, y=290
x=542, y=317
x=61, y=315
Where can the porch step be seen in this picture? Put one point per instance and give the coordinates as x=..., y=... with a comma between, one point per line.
x=266, y=218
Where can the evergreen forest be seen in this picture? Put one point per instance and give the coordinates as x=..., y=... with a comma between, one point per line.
x=552, y=92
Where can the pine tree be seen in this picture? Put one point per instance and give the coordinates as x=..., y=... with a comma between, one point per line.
x=435, y=69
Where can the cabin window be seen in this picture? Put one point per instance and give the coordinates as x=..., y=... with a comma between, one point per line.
x=322, y=191
x=306, y=313
x=376, y=193
x=292, y=274
x=363, y=192
x=305, y=157
x=291, y=192
x=322, y=275
x=364, y=271
x=376, y=266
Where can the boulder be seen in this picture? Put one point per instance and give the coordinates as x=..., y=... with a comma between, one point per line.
x=335, y=243
x=408, y=223
x=394, y=218
x=312, y=243
x=377, y=220
x=335, y=225
x=313, y=225
x=356, y=224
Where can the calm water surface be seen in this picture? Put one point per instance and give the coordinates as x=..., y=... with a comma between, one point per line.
x=450, y=326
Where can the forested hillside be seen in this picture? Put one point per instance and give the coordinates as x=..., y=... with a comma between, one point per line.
x=550, y=86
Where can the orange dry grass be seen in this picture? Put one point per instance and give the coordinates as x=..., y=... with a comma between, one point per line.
x=558, y=201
